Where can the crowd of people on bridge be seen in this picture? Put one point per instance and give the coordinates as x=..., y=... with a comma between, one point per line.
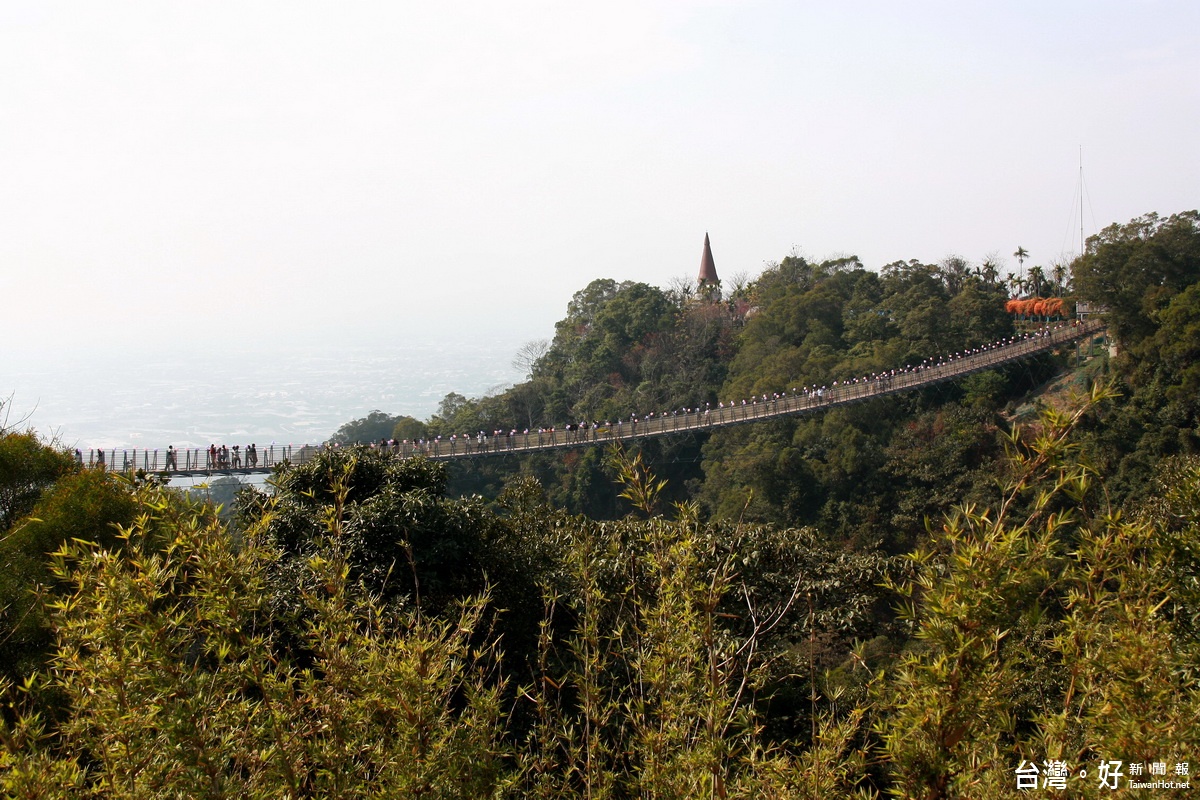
x=214, y=458
x=685, y=417
x=224, y=457
x=230, y=458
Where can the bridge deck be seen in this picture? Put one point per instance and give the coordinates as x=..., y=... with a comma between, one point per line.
x=197, y=462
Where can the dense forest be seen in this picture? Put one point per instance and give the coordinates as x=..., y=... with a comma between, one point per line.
x=943, y=594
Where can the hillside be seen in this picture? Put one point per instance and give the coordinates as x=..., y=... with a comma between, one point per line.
x=1081, y=370
x=914, y=596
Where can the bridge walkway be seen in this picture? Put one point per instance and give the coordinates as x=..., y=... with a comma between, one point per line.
x=197, y=461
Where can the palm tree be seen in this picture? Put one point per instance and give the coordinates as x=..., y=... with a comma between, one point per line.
x=1021, y=255
x=1059, y=271
x=989, y=270
x=1037, y=277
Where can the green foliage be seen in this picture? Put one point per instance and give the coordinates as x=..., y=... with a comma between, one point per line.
x=409, y=429
x=820, y=323
x=177, y=686
x=1174, y=515
x=640, y=487
x=1037, y=635
x=643, y=668
x=604, y=322
x=403, y=537
x=936, y=461
x=27, y=468
x=1147, y=272
x=984, y=390
x=45, y=500
x=343, y=637
x=623, y=347
x=1137, y=268
x=371, y=428
x=649, y=693
x=347, y=640
x=220, y=493
x=84, y=506
x=626, y=347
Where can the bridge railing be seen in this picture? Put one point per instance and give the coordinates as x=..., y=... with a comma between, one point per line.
x=779, y=404
x=193, y=459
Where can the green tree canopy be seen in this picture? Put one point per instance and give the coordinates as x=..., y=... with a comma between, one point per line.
x=409, y=429
x=87, y=505
x=27, y=468
x=375, y=426
x=1136, y=269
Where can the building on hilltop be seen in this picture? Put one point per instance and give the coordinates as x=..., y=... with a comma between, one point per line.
x=708, y=268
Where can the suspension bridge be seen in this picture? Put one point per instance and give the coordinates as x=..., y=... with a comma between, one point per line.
x=227, y=461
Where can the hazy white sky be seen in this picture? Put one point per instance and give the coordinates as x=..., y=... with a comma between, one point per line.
x=458, y=167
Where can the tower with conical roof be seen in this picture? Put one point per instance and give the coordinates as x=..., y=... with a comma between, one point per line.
x=708, y=269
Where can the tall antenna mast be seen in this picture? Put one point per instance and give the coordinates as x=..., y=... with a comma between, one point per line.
x=1080, y=200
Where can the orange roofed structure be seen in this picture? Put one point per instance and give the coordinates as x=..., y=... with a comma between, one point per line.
x=708, y=269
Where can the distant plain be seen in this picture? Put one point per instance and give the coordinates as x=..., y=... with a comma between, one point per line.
x=189, y=395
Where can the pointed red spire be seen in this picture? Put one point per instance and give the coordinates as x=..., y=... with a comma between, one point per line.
x=708, y=269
